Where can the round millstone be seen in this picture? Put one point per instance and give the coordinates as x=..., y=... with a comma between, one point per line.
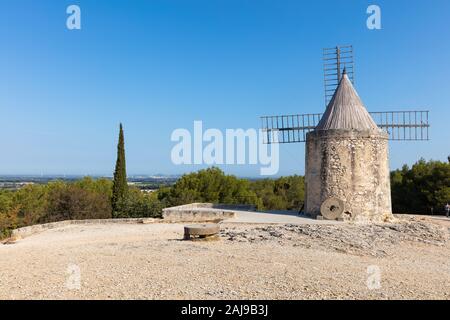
x=332, y=208
x=201, y=230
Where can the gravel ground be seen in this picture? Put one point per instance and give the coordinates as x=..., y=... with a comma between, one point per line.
x=250, y=261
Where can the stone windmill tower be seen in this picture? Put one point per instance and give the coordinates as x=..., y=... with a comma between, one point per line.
x=347, y=166
x=347, y=163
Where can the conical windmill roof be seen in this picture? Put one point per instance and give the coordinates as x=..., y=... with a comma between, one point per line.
x=346, y=110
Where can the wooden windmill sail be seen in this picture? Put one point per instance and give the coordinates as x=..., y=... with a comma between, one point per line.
x=400, y=125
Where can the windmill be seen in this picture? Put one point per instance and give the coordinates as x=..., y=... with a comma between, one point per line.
x=347, y=166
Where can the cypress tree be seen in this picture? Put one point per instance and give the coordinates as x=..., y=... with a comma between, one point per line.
x=120, y=186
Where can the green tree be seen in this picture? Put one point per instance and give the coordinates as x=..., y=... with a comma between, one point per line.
x=138, y=204
x=8, y=222
x=284, y=193
x=120, y=186
x=209, y=185
x=424, y=186
x=73, y=202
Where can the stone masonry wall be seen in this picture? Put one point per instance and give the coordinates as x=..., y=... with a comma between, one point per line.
x=350, y=165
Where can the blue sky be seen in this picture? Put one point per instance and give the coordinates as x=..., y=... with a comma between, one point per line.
x=157, y=66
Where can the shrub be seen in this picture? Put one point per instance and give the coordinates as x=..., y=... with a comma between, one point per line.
x=72, y=202
x=209, y=185
x=424, y=186
x=285, y=193
x=137, y=204
x=8, y=222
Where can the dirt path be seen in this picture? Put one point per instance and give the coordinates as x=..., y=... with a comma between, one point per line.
x=127, y=261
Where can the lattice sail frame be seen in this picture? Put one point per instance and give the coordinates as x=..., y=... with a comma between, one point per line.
x=335, y=60
x=400, y=125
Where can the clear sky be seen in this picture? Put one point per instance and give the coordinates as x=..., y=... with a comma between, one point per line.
x=158, y=65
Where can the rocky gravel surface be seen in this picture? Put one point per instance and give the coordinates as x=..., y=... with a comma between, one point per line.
x=365, y=239
x=411, y=259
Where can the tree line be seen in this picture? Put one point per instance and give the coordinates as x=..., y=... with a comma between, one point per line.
x=423, y=188
x=91, y=198
x=417, y=189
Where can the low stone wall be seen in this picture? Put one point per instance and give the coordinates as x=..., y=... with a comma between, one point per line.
x=206, y=205
x=202, y=212
x=194, y=212
x=30, y=230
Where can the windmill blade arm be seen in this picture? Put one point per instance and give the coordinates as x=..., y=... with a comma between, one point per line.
x=400, y=125
x=288, y=128
x=404, y=125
